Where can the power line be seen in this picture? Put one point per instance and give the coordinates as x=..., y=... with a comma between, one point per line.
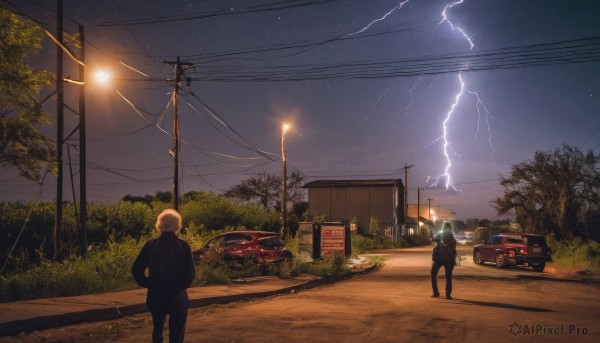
x=275, y=6
x=221, y=120
x=305, y=45
x=563, y=52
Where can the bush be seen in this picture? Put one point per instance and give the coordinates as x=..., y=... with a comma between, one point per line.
x=37, y=236
x=212, y=270
x=121, y=220
x=106, y=268
x=333, y=267
x=576, y=254
x=202, y=213
x=361, y=243
x=414, y=241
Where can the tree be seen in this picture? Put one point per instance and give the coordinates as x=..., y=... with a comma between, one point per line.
x=553, y=192
x=21, y=144
x=473, y=223
x=484, y=223
x=459, y=225
x=266, y=189
x=146, y=199
x=166, y=196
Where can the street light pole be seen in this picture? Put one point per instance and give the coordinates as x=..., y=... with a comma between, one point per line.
x=176, y=138
x=82, y=152
x=418, y=210
x=284, y=128
x=429, y=200
x=59, y=129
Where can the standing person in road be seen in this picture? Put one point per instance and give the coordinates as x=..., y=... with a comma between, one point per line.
x=168, y=260
x=444, y=254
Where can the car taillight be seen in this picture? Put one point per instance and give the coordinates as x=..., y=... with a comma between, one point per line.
x=522, y=251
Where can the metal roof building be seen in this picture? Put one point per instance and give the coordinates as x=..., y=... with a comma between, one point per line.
x=345, y=200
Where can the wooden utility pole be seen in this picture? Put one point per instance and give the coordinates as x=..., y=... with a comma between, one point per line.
x=284, y=181
x=406, y=168
x=82, y=151
x=59, y=127
x=429, y=201
x=176, y=137
x=175, y=152
x=418, y=209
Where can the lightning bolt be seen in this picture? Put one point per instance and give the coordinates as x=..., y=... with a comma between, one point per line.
x=455, y=28
x=377, y=20
x=488, y=115
x=480, y=105
x=410, y=93
x=374, y=106
x=434, y=182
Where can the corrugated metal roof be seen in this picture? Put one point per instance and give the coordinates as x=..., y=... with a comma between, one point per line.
x=353, y=183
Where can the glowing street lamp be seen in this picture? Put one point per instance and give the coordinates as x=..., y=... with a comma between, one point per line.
x=102, y=77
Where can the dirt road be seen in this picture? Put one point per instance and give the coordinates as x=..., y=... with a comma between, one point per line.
x=392, y=304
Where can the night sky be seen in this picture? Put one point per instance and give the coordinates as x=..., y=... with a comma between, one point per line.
x=361, y=103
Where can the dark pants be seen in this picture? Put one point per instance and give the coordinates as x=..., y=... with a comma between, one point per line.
x=435, y=268
x=177, y=310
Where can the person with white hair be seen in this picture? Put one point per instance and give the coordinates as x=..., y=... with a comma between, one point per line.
x=165, y=266
x=444, y=254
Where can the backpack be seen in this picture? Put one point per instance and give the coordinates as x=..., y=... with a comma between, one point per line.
x=447, y=250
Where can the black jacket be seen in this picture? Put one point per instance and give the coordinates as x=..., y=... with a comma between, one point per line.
x=445, y=249
x=168, y=259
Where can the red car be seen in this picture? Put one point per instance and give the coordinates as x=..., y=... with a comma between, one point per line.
x=238, y=247
x=514, y=249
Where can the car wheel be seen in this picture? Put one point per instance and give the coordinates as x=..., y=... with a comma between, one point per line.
x=477, y=258
x=500, y=262
x=539, y=267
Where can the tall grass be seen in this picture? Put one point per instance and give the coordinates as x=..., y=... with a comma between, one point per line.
x=202, y=214
x=332, y=267
x=577, y=254
x=361, y=244
x=104, y=269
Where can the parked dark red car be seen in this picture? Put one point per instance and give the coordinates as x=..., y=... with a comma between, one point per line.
x=238, y=247
x=514, y=249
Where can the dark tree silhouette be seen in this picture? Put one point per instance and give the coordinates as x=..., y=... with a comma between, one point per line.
x=556, y=192
x=265, y=189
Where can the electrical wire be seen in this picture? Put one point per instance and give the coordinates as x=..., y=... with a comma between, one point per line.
x=276, y=6
x=221, y=120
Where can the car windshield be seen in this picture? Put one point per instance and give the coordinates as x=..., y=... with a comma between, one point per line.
x=514, y=240
x=272, y=241
x=234, y=239
x=536, y=241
